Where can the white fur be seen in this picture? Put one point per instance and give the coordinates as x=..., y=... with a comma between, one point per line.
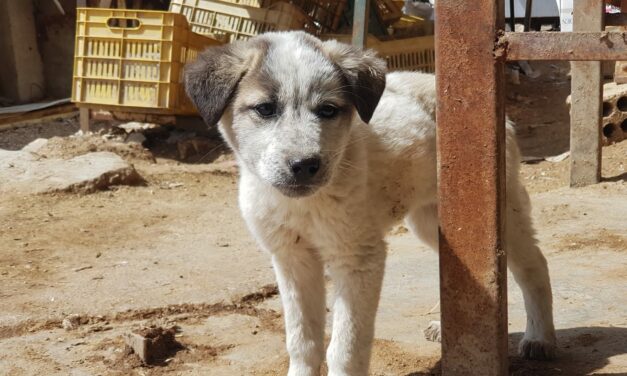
x=387, y=173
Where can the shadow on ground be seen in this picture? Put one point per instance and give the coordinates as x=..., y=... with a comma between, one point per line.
x=582, y=351
x=621, y=177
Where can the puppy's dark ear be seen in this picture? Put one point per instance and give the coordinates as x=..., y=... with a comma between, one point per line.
x=212, y=79
x=364, y=72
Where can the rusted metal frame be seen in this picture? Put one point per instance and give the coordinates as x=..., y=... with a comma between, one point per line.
x=361, y=11
x=586, y=110
x=575, y=46
x=471, y=187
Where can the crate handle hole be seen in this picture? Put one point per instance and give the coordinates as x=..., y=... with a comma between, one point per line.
x=124, y=23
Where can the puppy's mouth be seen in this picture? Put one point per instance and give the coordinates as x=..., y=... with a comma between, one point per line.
x=297, y=187
x=297, y=190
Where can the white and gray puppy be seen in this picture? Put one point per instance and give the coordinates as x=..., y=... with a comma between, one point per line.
x=324, y=177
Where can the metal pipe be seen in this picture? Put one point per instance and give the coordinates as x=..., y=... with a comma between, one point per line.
x=528, y=6
x=360, y=23
x=512, y=16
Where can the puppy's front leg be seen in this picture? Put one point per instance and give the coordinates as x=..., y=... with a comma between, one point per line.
x=357, y=282
x=299, y=273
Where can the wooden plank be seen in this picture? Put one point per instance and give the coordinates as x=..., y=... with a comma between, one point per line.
x=34, y=115
x=586, y=102
x=99, y=114
x=37, y=117
x=471, y=187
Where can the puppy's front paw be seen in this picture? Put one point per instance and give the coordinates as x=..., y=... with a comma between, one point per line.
x=536, y=349
x=432, y=333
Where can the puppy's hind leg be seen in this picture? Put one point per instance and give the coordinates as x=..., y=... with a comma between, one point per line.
x=530, y=270
x=299, y=273
x=423, y=222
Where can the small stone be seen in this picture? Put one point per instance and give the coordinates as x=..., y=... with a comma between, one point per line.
x=135, y=126
x=153, y=345
x=71, y=322
x=135, y=137
x=174, y=185
x=35, y=145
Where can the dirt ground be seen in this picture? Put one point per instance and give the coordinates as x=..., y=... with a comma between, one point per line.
x=175, y=253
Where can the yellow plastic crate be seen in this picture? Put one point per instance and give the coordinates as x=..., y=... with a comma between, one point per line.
x=133, y=59
x=240, y=22
x=409, y=54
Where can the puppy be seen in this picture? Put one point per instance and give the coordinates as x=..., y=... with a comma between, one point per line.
x=324, y=177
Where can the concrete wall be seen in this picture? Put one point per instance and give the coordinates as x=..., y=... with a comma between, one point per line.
x=21, y=69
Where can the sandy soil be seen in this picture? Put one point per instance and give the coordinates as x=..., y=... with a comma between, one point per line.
x=175, y=252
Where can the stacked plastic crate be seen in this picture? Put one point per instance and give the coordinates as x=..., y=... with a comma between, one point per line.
x=132, y=60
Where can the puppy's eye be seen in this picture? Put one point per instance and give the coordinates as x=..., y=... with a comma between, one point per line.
x=326, y=111
x=266, y=109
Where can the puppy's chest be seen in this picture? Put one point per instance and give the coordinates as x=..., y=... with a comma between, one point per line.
x=326, y=223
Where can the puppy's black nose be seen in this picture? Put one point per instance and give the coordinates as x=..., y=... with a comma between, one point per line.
x=304, y=169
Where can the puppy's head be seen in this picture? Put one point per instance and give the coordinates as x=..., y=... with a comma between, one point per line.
x=286, y=102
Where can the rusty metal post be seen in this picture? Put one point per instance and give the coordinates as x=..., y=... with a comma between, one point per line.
x=586, y=102
x=360, y=23
x=471, y=187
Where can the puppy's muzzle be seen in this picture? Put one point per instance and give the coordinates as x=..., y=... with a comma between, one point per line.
x=304, y=176
x=304, y=170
